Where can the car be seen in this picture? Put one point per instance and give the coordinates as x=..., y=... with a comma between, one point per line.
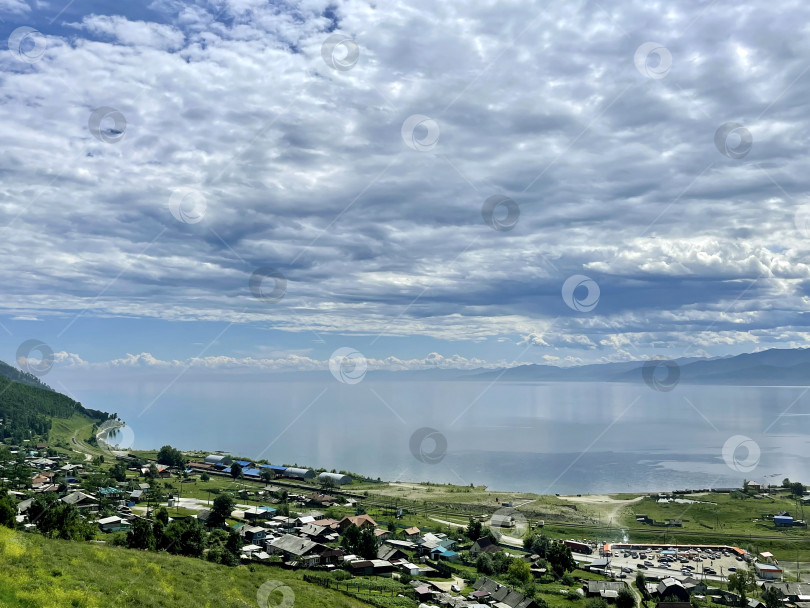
x=739, y=559
x=732, y=569
x=641, y=566
x=627, y=569
x=621, y=575
x=664, y=566
x=455, y=588
x=649, y=564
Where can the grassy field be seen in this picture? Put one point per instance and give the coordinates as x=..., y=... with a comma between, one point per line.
x=39, y=573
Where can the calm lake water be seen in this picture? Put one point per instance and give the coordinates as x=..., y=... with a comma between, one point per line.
x=548, y=438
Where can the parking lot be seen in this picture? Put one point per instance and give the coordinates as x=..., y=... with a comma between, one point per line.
x=709, y=564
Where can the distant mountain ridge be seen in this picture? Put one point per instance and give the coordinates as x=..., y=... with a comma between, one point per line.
x=768, y=367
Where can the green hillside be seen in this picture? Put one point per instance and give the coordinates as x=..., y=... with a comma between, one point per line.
x=28, y=407
x=36, y=572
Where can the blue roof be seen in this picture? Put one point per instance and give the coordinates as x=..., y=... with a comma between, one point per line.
x=274, y=467
x=226, y=470
x=254, y=472
x=271, y=509
x=243, y=463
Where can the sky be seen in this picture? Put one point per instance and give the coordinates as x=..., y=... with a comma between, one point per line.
x=251, y=185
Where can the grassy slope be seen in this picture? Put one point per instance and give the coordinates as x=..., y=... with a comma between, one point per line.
x=39, y=573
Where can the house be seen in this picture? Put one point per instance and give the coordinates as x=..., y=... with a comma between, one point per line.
x=431, y=541
x=768, y=572
x=607, y=590
x=296, y=473
x=80, y=500
x=502, y=520
x=371, y=567
x=358, y=520
x=202, y=516
x=599, y=564
x=113, y=524
x=672, y=590
x=304, y=520
x=218, y=460
x=391, y=554
x=381, y=534
x=437, y=553
x=136, y=496
x=294, y=547
x=499, y=595
x=40, y=480
x=335, y=478
x=794, y=592
x=253, y=534
x=412, y=533
x=409, y=568
x=317, y=533
x=484, y=545
x=257, y=513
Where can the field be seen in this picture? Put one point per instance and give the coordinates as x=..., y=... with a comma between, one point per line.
x=39, y=573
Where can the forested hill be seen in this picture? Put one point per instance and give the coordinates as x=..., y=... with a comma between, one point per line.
x=28, y=405
x=12, y=373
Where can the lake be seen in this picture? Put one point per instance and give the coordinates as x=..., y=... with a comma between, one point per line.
x=539, y=437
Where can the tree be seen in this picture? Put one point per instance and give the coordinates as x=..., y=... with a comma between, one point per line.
x=236, y=470
x=742, y=581
x=484, y=564
x=797, y=488
x=474, y=528
x=8, y=512
x=367, y=543
x=501, y=562
x=204, y=477
x=162, y=515
x=625, y=599
x=596, y=602
x=140, y=535
x=519, y=572
x=560, y=559
x=351, y=539
x=184, y=537
x=221, y=510
x=641, y=584
x=328, y=484
x=266, y=475
x=171, y=457
x=119, y=471
x=772, y=598
x=786, y=483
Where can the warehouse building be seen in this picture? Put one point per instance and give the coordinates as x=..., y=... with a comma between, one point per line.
x=337, y=478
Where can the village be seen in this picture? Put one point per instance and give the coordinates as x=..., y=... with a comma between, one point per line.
x=300, y=519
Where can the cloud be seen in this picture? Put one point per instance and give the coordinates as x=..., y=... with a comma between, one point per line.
x=290, y=362
x=303, y=168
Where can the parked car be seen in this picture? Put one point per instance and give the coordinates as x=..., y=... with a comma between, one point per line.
x=455, y=588
x=627, y=569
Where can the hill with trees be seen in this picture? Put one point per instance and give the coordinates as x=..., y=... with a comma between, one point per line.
x=27, y=406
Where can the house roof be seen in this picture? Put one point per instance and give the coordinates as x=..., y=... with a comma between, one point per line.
x=294, y=545
x=110, y=520
x=77, y=497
